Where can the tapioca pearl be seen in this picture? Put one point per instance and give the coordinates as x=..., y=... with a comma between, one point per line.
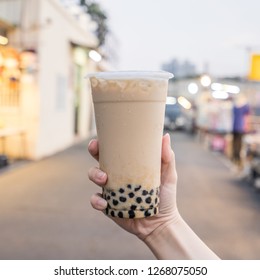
x=155, y=210
x=139, y=199
x=145, y=192
x=147, y=213
x=138, y=188
x=156, y=200
x=131, y=214
x=120, y=214
x=108, y=197
x=129, y=186
x=107, y=211
x=148, y=200
x=113, y=194
x=151, y=192
x=115, y=202
x=122, y=199
x=112, y=213
x=131, y=194
x=121, y=190
x=133, y=207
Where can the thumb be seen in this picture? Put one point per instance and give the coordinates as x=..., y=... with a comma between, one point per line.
x=168, y=169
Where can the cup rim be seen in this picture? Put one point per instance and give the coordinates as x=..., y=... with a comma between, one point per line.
x=128, y=75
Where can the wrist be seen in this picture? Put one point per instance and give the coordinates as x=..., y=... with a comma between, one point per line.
x=176, y=240
x=159, y=240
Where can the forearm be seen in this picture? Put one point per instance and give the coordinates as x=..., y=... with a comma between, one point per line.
x=178, y=241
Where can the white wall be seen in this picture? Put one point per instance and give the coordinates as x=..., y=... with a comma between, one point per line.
x=56, y=117
x=47, y=98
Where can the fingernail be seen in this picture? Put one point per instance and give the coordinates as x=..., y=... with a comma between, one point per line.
x=168, y=137
x=90, y=143
x=167, y=140
x=169, y=143
x=102, y=203
x=100, y=174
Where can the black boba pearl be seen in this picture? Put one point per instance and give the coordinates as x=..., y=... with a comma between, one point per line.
x=151, y=192
x=120, y=214
x=107, y=211
x=112, y=213
x=147, y=213
x=121, y=190
x=156, y=200
x=122, y=199
x=113, y=193
x=138, y=188
x=129, y=186
x=155, y=210
x=131, y=214
x=148, y=200
x=131, y=194
x=108, y=197
x=139, y=199
x=133, y=207
x=115, y=202
x=145, y=192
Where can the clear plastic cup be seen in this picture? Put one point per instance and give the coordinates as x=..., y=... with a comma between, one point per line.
x=129, y=111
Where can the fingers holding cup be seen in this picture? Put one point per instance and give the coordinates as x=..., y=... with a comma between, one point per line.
x=97, y=176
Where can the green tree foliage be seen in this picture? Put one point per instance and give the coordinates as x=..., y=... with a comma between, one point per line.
x=99, y=16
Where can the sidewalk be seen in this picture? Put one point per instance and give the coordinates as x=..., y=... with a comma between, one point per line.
x=222, y=208
x=45, y=211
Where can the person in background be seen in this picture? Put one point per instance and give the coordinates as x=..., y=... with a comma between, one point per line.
x=240, y=116
x=166, y=234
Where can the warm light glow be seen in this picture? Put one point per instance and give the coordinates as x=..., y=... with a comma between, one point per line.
x=170, y=100
x=220, y=94
x=95, y=55
x=1, y=60
x=3, y=40
x=205, y=80
x=10, y=62
x=184, y=102
x=28, y=59
x=228, y=88
x=193, y=88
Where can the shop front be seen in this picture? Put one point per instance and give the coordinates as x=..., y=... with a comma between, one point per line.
x=45, y=102
x=17, y=81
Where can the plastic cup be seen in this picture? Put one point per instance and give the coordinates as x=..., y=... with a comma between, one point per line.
x=129, y=111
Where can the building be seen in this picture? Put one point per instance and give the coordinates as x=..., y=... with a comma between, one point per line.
x=45, y=102
x=180, y=69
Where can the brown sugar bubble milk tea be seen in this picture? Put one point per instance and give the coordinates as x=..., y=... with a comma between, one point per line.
x=129, y=111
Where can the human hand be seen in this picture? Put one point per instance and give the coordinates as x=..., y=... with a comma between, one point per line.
x=168, y=212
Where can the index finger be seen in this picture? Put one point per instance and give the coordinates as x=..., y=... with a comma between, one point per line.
x=93, y=148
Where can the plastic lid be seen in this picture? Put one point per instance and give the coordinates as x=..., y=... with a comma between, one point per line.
x=126, y=75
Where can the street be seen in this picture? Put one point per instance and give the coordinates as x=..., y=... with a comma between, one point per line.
x=45, y=211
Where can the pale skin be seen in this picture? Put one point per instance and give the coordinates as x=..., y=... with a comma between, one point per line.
x=166, y=234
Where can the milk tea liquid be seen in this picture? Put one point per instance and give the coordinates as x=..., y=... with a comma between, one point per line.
x=129, y=114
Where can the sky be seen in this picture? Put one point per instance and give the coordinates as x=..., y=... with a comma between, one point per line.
x=216, y=33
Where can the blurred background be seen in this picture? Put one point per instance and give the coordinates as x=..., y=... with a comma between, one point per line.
x=46, y=120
